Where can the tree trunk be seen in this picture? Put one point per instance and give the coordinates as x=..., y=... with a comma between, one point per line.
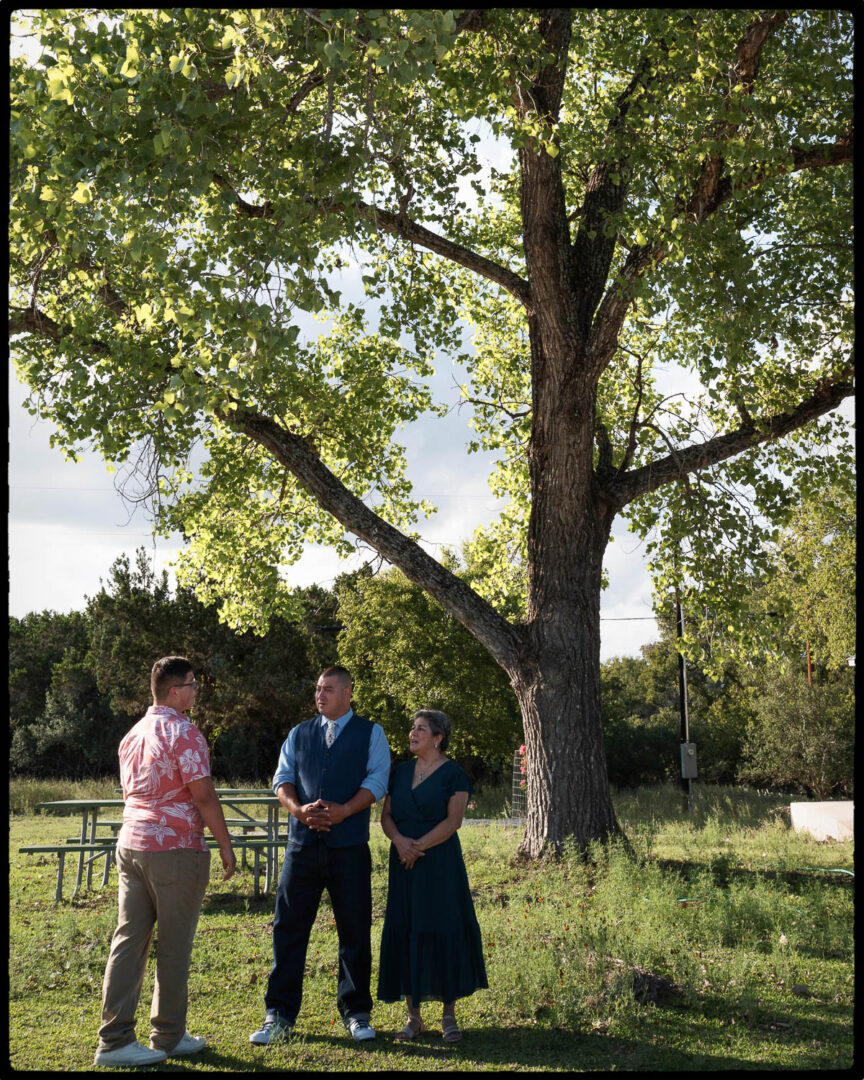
x=568, y=791
x=559, y=686
x=559, y=695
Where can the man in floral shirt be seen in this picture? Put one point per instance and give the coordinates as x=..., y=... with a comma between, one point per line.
x=163, y=865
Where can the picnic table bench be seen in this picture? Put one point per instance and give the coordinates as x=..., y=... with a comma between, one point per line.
x=105, y=849
x=257, y=835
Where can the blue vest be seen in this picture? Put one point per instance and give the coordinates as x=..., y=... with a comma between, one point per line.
x=333, y=774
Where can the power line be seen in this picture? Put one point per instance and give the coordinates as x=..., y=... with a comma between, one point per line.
x=36, y=487
x=112, y=491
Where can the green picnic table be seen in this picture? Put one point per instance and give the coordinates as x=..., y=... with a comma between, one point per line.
x=89, y=810
x=90, y=846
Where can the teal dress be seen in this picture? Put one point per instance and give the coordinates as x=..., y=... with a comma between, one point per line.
x=430, y=945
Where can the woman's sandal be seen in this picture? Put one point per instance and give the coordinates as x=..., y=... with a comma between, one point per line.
x=450, y=1029
x=411, y=1030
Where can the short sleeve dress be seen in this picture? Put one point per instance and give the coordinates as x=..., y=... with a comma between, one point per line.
x=430, y=945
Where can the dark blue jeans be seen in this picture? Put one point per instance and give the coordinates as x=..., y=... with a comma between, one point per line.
x=346, y=874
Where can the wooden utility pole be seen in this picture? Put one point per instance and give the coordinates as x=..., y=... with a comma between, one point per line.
x=682, y=692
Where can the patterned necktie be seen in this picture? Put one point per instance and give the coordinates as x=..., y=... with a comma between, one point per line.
x=330, y=736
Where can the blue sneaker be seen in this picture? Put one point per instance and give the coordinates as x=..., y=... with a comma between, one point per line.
x=359, y=1028
x=273, y=1030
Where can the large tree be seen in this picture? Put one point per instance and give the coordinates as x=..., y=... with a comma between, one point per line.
x=185, y=180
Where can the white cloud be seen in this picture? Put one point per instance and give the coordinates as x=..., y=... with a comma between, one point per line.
x=626, y=614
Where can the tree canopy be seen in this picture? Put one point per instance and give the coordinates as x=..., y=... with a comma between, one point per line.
x=185, y=181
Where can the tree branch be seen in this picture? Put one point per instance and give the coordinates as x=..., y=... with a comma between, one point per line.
x=603, y=339
x=399, y=225
x=829, y=393
x=470, y=19
x=247, y=208
x=33, y=321
x=748, y=56
x=499, y=406
x=603, y=196
x=710, y=191
x=817, y=156
x=555, y=27
x=630, y=449
x=613, y=310
x=315, y=78
x=500, y=637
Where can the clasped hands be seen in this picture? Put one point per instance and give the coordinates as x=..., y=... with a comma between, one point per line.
x=409, y=851
x=321, y=815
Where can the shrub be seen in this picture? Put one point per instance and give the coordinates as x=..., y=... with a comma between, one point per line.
x=802, y=736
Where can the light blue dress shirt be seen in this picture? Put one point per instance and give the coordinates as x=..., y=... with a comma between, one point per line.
x=377, y=766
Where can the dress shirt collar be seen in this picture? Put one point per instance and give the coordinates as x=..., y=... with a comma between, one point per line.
x=341, y=721
x=166, y=710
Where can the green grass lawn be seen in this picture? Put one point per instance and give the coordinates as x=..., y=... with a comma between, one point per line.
x=591, y=967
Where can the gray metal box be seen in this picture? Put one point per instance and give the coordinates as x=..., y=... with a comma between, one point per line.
x=688, y=760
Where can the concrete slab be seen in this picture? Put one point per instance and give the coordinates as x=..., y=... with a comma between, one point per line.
x=824, y=820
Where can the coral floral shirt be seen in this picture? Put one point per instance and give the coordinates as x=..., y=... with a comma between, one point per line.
x=158, y=758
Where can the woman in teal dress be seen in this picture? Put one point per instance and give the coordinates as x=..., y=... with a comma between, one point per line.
x=430, y=945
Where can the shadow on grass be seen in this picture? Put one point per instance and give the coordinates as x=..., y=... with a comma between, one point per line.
x=515, y=1049
x=724, y=874
x=231, y=903
x=826, y=1022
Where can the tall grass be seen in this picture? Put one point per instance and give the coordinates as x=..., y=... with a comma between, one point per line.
x=26, y=792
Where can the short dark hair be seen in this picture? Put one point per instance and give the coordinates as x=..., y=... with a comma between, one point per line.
x=439, y=724
x=166, y=673
x=343, y=673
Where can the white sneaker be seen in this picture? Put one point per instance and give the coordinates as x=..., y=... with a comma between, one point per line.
x=360, y=1029
x=189, y=1044
x=273, y=1030
x=133, y=1054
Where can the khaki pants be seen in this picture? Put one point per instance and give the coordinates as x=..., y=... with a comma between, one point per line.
x=155, y=886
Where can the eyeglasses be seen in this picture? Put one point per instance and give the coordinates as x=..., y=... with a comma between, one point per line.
x=179, y=686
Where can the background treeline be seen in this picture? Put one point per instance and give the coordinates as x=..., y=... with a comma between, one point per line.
x=78, y=681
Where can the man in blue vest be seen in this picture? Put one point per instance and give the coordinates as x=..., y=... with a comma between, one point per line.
x=331, y=769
